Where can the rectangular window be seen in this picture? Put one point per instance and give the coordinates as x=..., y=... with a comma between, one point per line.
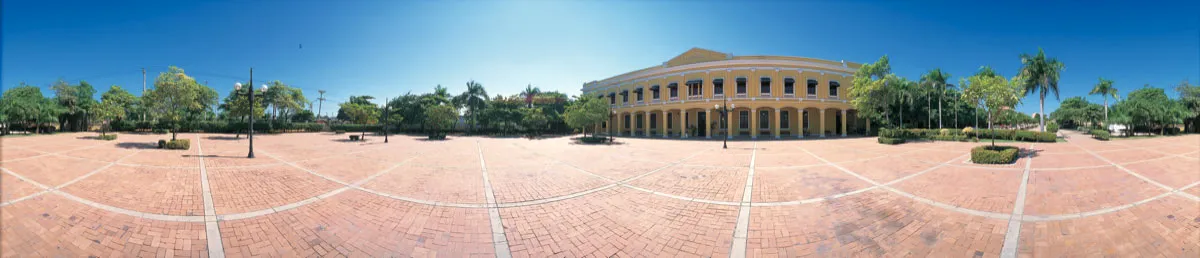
x=626, y=121
x=744, y=119
x=763, y=121
x=639, y=96
x=833, y=88
x=693, y=89
x=741, y=86
x=764, y=86
x=625, y=98
x=655, y=94
x=674, y=92
x=784, y=120
x=812, y=87
x=639, y=121
x=718, y=88
x=612, y=100
x=789, y=87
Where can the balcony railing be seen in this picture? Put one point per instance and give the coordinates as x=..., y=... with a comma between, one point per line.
x=719, y=95
x=740, y=95
x=764, y=94
x=789, y=95
x=654, y=100
x=833, y=97
x=674, y=98
x=639, y=102
x=695, y=97
x=812, y=96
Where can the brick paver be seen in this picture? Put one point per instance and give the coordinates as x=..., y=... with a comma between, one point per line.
x=555, y=198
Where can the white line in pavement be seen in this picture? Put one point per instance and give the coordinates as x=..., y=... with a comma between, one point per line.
x=499, y=239
x=212, y=230
x=1012, y=236
x=741, y=230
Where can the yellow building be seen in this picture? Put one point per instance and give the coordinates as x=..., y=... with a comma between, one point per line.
x=771, y=96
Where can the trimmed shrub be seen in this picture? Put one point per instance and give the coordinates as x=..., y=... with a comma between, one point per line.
x=108, y=137
x=592, y=139
x=988, y=154
x=944, y=132
x=890, y=141
x=968, y=130
x=340, y=132
x=1100, y=134
x=1052, y=128
x=179, y=144
x=354, y=137
x=162, y=144
x=437, y=136
x=159, y=131
x=1047, y=137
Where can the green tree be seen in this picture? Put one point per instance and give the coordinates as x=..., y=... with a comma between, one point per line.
x=175, y=95
x=360, y=113
x=475, y=100
x=904, y=93
x=440, y=118
x=106, y=112
x=936, y=79
x=122, y=98
x=870, y=95
x=26, y=104
x=586, y=112
x=529, y=93
x=1040, y=74
x=1150, y=106
x=77, y=101
x=1189, y=98
x=1105, y=88
x=994, y=93
x=534, y=120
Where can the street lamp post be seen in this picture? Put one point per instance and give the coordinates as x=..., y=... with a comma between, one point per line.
x=250, y=93
x=385, y=121
x=724, y=108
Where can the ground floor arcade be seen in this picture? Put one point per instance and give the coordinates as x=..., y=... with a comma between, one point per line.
x=707, y=121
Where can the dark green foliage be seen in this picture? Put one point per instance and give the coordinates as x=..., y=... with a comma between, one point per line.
x=957, y=135
x=177, y=144
x=1052, y=128
x=160, y=131
x=592, y=139
x=890, y=141
x=1100, y=134
x=340, y=132
x=994, y=154
x=354, y=137
x=108, y=137
x=357, y=128
x=437, y=135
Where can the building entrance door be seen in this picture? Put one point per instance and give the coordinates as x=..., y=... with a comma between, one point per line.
x=702, y=123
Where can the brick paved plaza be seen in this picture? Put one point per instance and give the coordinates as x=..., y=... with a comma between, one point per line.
x=317, y=195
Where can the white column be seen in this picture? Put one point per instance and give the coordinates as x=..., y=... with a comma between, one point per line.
x=844, y=118
x=708, y=124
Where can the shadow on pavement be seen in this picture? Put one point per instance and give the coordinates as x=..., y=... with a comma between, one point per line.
x=137, y=145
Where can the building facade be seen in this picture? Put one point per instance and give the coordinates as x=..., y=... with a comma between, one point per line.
x=769, y=96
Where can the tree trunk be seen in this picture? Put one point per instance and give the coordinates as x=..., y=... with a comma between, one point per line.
x=989, y=121
x=1105, y=111
x=1041, y=111
x=940, y=109
x=928, y=117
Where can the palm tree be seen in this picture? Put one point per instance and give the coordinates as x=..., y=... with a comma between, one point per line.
x=904, y=95
x=529, y=93
x=1105, y=88
x=1040, y=74
x=937, y=79
x=475, y=99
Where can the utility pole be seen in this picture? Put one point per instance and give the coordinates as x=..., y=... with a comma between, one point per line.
x=143, y=92
x=321, y=103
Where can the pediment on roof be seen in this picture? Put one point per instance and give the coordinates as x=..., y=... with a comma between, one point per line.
x=697, y=55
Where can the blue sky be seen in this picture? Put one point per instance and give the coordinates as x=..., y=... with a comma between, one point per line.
x=386, y=48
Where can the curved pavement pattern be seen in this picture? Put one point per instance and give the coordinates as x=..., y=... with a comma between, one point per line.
x=315, y=194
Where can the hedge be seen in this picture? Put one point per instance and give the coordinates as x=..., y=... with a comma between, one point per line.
x=356, y=127
x=592, y=139
x=217, y=126
x=1052, y=128
x=890, y=141
x=179, y=144
x=965, y=134
x=108, y=137
x=989, y=154
x=1100, y=134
